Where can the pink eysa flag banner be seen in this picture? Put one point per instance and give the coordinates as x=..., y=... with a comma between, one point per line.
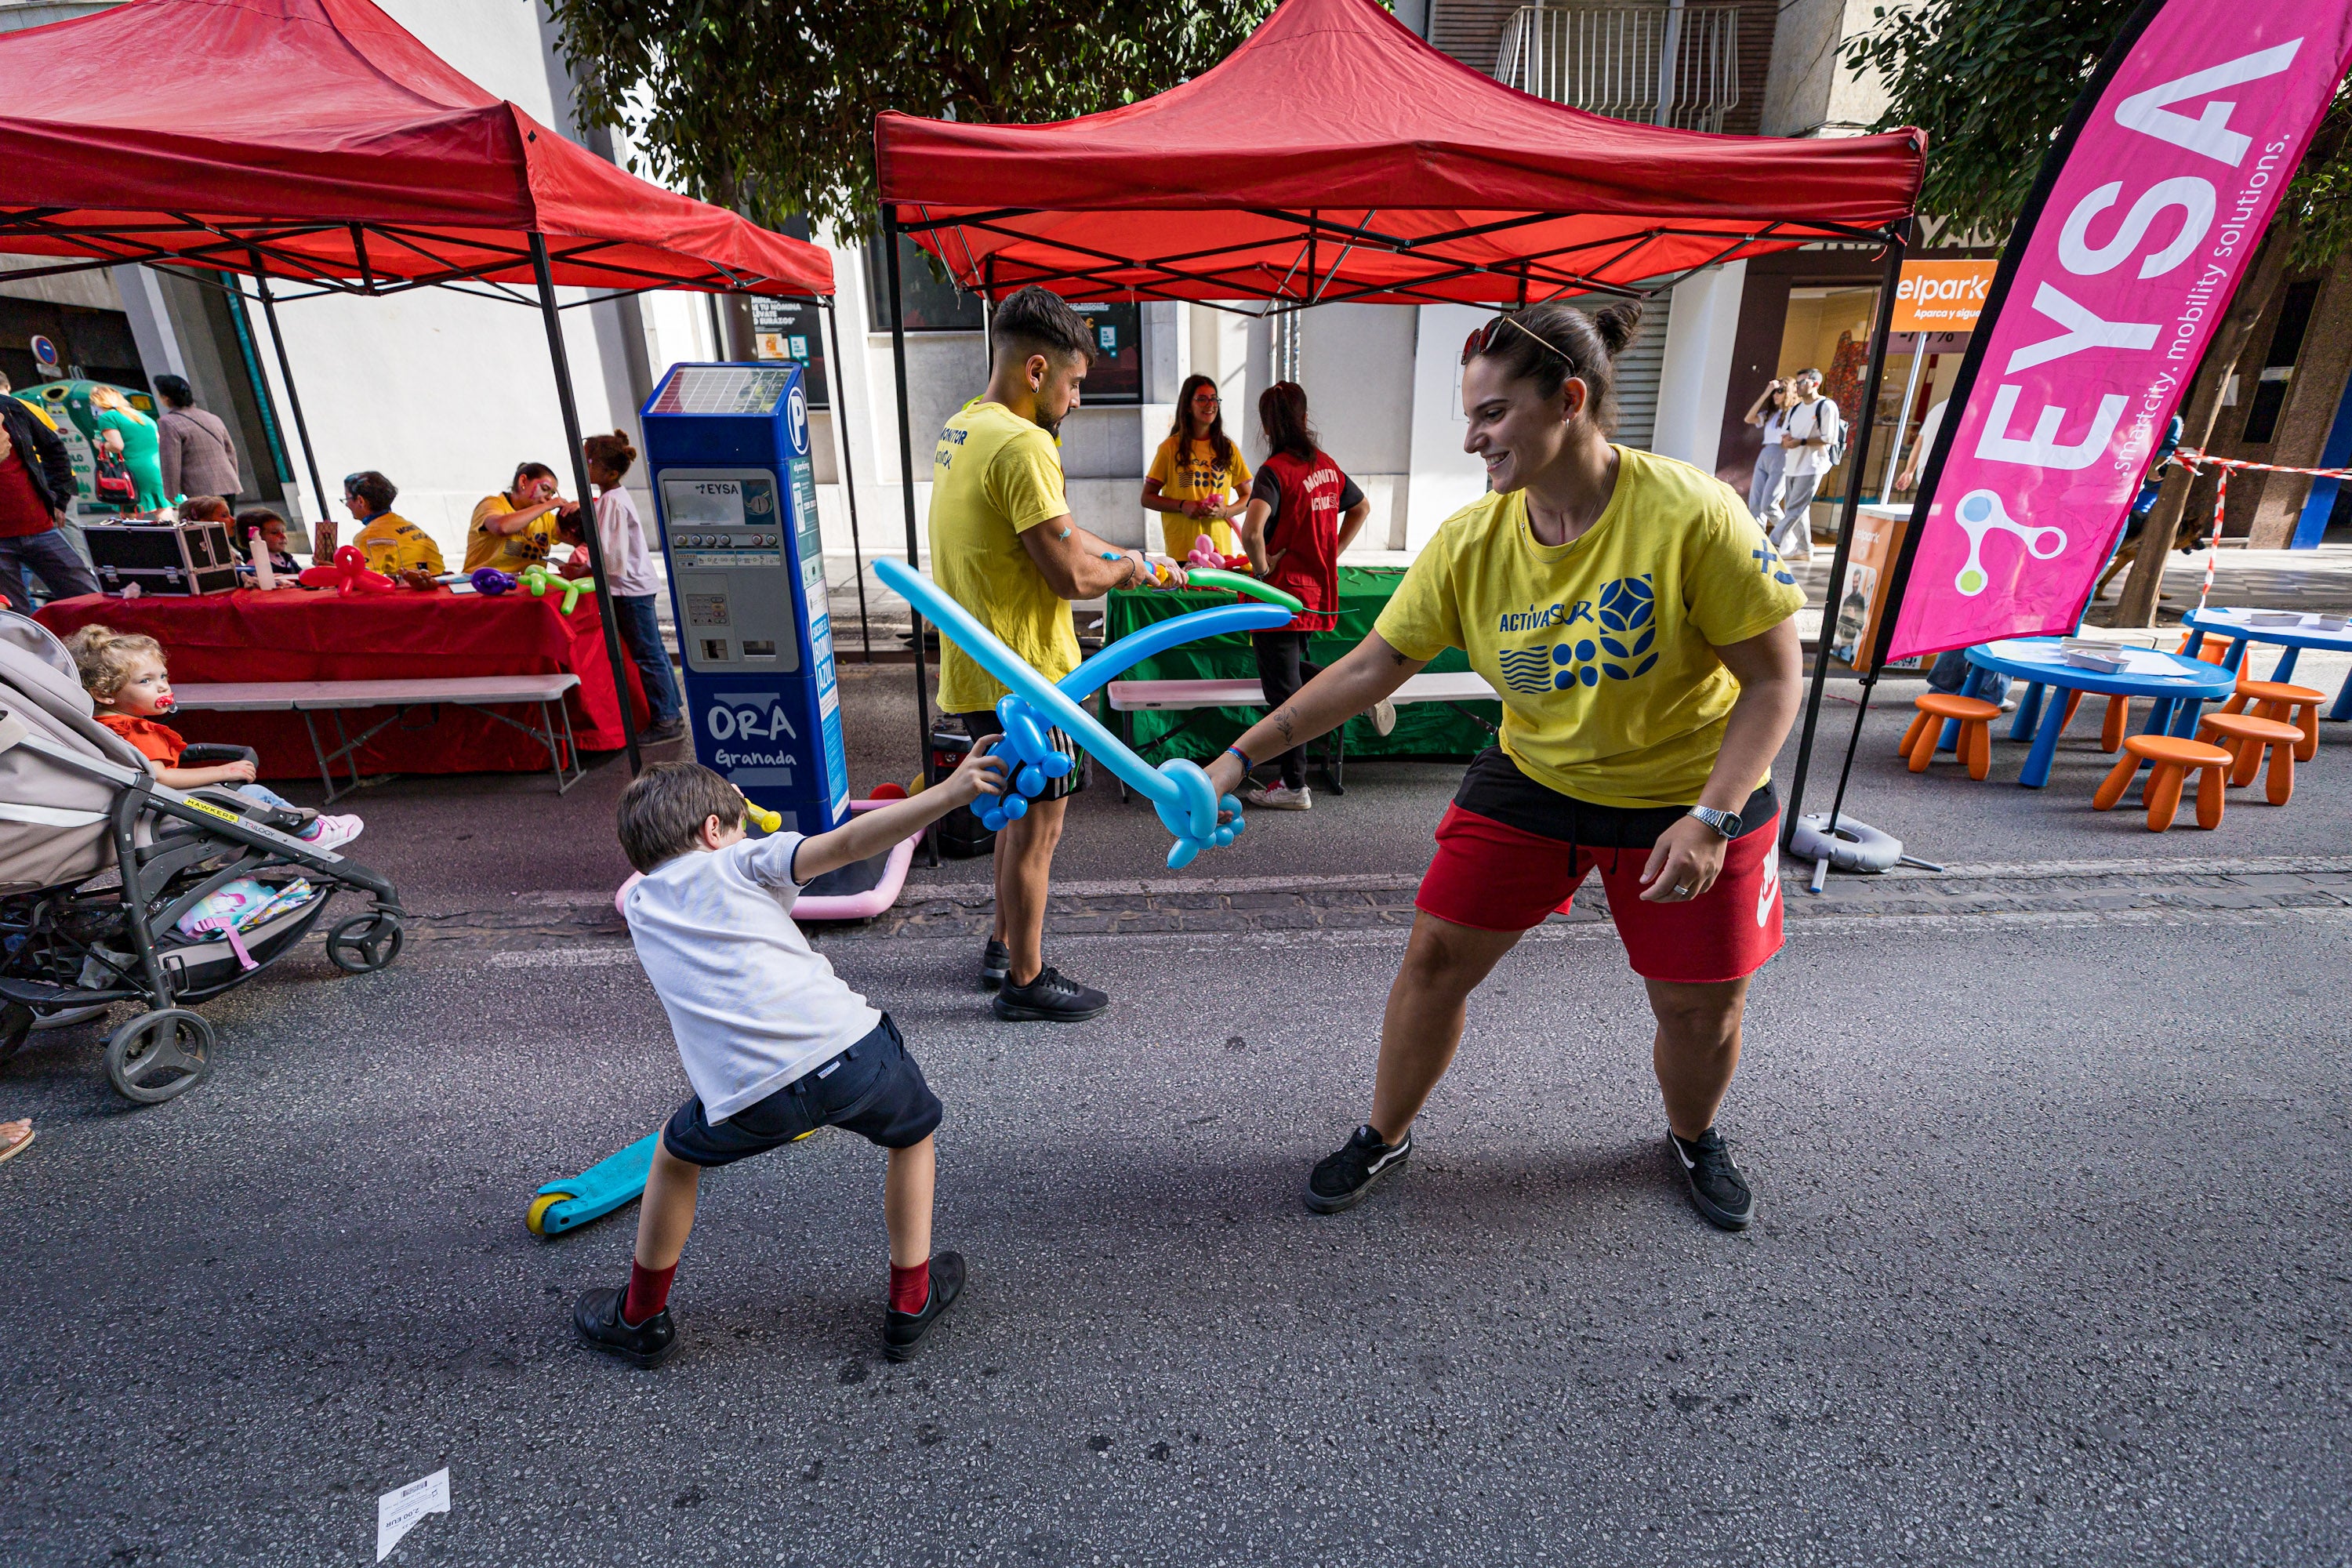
x=2115, y=280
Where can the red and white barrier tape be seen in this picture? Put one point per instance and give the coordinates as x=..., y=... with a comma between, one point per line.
x=2196, y=461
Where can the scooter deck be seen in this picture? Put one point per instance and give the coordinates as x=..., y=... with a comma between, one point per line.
x=595, y=1192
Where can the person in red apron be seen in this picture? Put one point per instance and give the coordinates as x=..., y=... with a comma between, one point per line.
x=1303, y=511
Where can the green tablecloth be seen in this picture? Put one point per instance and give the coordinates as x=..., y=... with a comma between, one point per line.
x=1424, y=729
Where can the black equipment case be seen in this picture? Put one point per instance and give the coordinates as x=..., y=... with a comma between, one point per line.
x=162, y=557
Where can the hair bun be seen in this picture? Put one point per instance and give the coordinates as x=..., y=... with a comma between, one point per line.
x=1617, y=324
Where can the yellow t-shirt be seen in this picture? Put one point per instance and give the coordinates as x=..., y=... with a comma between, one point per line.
x=1603, y=649
x=507, y=551
x=994, y=476
x=393, y=544
x=1197, y=476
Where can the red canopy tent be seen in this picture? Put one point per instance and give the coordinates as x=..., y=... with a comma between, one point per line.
x=317, y=141
x=1336, y=156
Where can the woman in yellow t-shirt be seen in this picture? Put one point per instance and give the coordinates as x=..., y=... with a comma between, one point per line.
x=1199, y=481
x=392, y=545
x=1639, y=631
x=518, y=527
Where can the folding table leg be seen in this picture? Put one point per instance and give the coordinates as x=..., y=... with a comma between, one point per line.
x=2045, y=746
x=2285, y=669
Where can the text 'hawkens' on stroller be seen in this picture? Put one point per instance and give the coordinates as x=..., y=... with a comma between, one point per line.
x=116, y=887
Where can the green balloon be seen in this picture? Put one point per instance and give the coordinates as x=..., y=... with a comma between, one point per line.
x=1236, y=582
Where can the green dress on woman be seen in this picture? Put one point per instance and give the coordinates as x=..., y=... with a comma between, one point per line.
x=141, y=452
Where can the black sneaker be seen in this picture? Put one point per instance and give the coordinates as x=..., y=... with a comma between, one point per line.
x=1343, y=1180
x=1053, y=997
x=995, y=964
x=903, y=1331
x=663, y=734
x=597, y=1318
x=1719, y=1190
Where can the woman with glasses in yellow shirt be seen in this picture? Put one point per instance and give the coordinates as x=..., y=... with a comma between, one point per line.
x=1641, y=633
x=1199, y=481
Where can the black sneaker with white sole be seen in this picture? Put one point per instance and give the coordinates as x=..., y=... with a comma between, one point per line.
x=596, y=1319
x=995, y=964
x=1343, y=1180
x=1718, y=1189
x=1053, y=997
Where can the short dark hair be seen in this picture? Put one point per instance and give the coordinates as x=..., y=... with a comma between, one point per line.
x=530, y=471
x=1037, y=321
x=1551, y=342
x=175, y=390
x=254, y=519
x=663, y=812
x=1812, y=370
x=372, y=490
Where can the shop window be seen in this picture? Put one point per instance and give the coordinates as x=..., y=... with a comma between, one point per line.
x=934, y=304
x=1116, y=374
x=794, y=329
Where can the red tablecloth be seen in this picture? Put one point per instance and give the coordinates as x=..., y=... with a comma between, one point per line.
x=295, y=635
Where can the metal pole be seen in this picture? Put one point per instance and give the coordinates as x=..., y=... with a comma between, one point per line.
x=1859, y=459
x=563, y=362
x=906, y=472
x=1903, y=414
x=293, y=398
x=1669, y=49
x=836, y=397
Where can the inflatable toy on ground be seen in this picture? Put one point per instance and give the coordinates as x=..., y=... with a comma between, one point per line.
x=489, y=581
x=348, y=574
x=1179, y=789
x=540, y=582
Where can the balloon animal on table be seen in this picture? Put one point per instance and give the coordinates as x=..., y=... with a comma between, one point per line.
x=489, y=581
x=1179, y=789
x=541, y=582
x=348, y=573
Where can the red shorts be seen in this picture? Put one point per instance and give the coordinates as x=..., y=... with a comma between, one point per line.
x=1492, y=877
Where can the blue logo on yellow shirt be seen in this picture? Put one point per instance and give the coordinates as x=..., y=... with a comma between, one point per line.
x=1620, y=649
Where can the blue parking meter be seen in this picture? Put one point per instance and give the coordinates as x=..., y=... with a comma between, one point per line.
x=735, y=504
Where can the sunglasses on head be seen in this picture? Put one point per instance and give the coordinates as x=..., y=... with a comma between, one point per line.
x=1483, y=339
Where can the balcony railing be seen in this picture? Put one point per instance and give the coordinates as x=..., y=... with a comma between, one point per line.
x=1662, y=65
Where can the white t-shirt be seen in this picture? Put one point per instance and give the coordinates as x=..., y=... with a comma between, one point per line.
x=1807, y=420
x=1776, y=425
x=628, y=564
x=752, y=1005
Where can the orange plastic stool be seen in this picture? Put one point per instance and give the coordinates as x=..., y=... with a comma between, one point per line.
x=2246, y=735
x=1976, y=719
x=2297, y=705
x=2170, y=758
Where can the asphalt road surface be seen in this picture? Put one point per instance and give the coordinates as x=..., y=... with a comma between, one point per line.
x=2040, y=1273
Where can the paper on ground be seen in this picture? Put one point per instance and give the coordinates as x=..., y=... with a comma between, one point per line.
x=397, y=1512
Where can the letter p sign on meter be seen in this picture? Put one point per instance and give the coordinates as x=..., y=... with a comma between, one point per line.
x=736, y=506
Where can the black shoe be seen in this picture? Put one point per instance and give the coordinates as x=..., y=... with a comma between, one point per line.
x=1343, y=1180
x=596, y=1316
x=1718, y=1188
x=995, y=964
x=661, y=734
x=903, y=1331
x=1053, y=997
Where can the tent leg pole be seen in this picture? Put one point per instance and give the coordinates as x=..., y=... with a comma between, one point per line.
x=293, y=398
x=839, y=399
x=1859, y=459
x=907, y=473
x=562, y=363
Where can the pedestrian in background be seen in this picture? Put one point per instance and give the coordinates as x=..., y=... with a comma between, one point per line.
x=629, y=576
x=193, y=447
x=1770, y=412
x=1811, y=433
x=36, y=487
x=132, y=437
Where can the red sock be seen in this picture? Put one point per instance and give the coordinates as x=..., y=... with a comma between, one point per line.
x=910, y=1287
x=649, y=1292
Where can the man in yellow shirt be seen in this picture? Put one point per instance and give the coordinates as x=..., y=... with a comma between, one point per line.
x=1003, y=547
x=516, y=529
x=392, y=545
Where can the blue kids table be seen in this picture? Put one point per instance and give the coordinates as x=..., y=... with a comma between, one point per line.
x=2181, y=687
x=2235, y=624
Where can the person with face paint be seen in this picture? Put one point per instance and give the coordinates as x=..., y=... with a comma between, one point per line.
x=1640, y=630
x=1004, y=546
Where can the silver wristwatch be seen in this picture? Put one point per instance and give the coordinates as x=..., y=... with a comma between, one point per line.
x=1724, y=822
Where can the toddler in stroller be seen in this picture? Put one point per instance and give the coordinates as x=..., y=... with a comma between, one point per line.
x=117, y=886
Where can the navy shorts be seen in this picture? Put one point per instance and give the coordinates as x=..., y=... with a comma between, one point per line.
x=874, y=1088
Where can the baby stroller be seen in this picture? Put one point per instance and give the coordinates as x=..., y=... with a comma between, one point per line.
x=103, y=870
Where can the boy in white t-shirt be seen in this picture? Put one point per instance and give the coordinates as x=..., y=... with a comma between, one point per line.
x=775, y=1045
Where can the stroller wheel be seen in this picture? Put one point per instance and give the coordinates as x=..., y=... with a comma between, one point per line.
x=159, y=1055
x=16, y=1026
x=366, y=942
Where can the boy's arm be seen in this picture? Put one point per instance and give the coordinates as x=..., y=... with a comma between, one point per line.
x=870, y=833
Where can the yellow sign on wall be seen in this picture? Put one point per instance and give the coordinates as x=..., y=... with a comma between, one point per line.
x=1941, y=296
